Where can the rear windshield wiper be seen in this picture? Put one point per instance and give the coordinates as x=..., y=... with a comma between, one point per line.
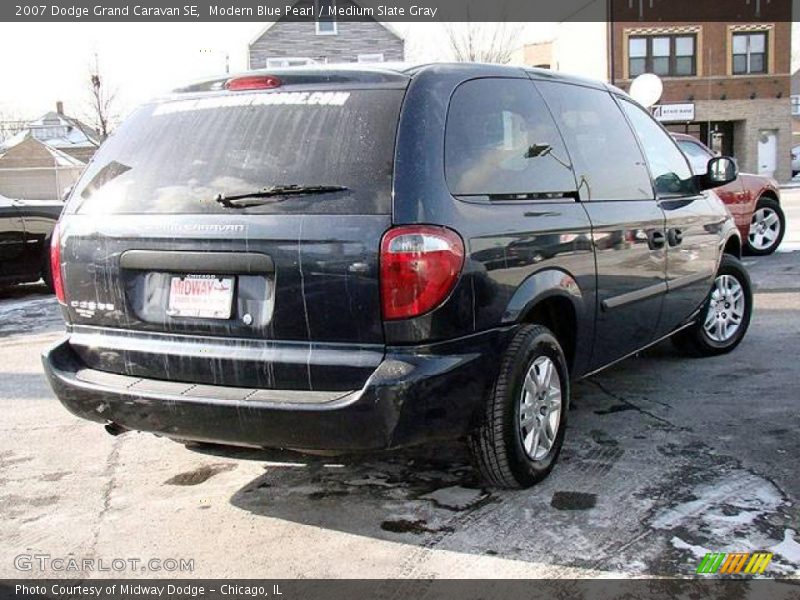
x=264, y=195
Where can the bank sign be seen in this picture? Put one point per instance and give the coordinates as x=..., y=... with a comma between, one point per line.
x=674, y=112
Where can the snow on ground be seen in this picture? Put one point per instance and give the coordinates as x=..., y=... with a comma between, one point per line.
x=455, y=497
x=28, y=309
x=724, y=506
x=731, y=514
x=698, y=551
x=788, y=549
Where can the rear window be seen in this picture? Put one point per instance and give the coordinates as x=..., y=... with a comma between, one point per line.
x=178, y=156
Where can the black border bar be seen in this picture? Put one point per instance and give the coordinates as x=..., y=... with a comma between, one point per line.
x=675, y=11
x=400, y=589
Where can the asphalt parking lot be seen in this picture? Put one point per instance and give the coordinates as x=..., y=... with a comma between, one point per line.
x=666, y=458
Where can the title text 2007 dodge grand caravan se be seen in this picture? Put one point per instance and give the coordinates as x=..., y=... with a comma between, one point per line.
x=350, y=259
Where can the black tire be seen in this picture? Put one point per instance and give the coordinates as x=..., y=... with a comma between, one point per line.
x=496, y=444
x=695, y=340
x=770, y=204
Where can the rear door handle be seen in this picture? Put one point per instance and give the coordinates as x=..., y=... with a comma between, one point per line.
x=238, y=263
x=657, y=239
x=675, y=237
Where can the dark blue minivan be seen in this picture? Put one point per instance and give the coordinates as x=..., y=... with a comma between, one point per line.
x=349, y=259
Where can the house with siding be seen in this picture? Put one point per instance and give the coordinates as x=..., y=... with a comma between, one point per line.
x=57, y=130
x=32, y=170
x=286, y=43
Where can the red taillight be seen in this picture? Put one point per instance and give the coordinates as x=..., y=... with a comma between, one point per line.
x=55, y=264
x=252, y=82
x=420, y=265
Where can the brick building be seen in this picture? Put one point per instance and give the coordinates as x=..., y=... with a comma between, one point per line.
x=727, y=83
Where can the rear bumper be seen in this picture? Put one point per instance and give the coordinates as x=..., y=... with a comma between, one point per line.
x=415, y=395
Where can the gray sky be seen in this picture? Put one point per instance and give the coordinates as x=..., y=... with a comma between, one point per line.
x=45, y=62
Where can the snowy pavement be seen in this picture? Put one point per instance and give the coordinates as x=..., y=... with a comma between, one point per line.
x=666, y=459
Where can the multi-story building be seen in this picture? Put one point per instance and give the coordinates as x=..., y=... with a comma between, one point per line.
x=727, y=83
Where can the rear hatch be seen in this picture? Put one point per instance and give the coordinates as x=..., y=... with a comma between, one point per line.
x=233, y=237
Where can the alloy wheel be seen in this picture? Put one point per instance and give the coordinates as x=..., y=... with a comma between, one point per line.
x=726, y=309
x=540, y=408
x=765, y=227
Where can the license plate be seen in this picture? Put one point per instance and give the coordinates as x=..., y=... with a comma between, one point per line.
x=200, y=296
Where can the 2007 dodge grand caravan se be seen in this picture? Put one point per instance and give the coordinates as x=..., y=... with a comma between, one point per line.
x=348, y=259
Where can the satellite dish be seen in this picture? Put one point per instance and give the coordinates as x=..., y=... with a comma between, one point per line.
x=646, y=89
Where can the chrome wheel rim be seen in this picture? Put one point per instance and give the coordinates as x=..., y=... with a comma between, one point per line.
x=765, y=227
x=540, y=408
x=726, y=309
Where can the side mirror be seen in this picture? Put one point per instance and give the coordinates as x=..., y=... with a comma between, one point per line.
x=720, y=170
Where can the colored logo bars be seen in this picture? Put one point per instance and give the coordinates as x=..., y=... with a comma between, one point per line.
x=735, y=562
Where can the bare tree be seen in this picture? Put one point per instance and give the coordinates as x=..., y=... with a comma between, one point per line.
x=102, y=101
x=10, y=125
x=483, y=42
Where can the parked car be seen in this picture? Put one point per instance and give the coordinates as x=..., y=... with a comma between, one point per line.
x=754, y=200
x=25, y=230
x=795, y=160
x=355, y=259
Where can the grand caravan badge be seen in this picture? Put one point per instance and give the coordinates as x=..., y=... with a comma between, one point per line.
x=263, y=99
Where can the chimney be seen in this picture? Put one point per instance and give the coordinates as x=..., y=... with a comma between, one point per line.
x=60, y=107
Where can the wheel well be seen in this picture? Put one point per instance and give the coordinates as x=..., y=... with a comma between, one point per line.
x=769, y=194
x=733, y=246
x=557, y=313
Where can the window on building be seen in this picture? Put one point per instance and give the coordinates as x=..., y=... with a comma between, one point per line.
x=371, y=58
x=49, y=133
x=749, y=53
x=326, y=24
x=796, y=105
x=288, y=61
x=665, y=55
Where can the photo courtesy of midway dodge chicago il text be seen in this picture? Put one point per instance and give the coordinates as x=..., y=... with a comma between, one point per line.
x=340, y=298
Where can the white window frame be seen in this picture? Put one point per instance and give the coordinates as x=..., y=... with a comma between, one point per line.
x=279, y=62
x=374, y=57
x=795, y=100
x=331, y=21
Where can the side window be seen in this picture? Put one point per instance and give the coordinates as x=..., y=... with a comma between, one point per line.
x=671, y=173
x=697, y=155
x=608, y=162
x=501, y=141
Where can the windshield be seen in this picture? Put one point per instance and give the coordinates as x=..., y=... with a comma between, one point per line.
x=178, y=156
